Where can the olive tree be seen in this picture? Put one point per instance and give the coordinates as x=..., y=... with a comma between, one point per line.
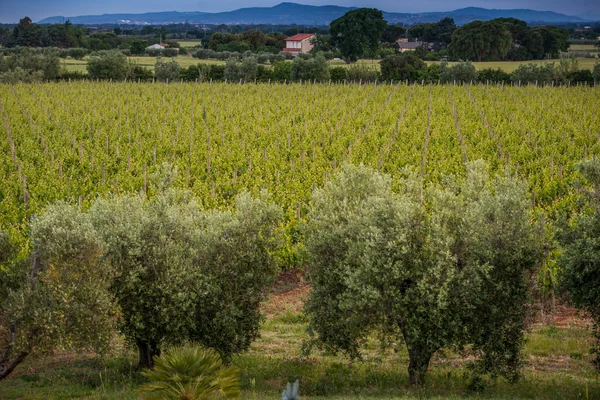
x=433, y=268
x=61, y=298
x=580, y=260
x=187, y=274
x=108, y=64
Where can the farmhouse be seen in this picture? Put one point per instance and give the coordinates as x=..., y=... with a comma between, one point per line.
x=157, y=46
x=404, y=45
x=299, y=43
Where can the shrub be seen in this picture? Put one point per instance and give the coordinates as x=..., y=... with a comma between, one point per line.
x=316, y=68
x=192, y=373
x=108, y=64
x=170, y=52
x=531, y=72
x=264, y=74
x=245, y=70
x=167, y=71
x=77, y=53
x=582, y=77
x=580, y=260
x=139, y=73
x=282, y=71
x=74, y=76
x=493, y=75
x=430, y=73
x=357, y=73
x=460, y=72
x=431, y=267
x=338, y=74
x=596, y=72
x=25, y=64
x=401, y=67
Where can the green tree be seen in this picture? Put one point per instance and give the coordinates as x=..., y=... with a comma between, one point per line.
x=315, y=68
x=461, y=72
x=185, y=274
x=392, y=33
x=108, y=64
x=167, y=71
x=357, y=31
x=138, y=47
x=60, y=298
x=401, y=67
x=26, y=33
x=596, y=72
x=481, y=41
x=436, y=267
x=580, y=260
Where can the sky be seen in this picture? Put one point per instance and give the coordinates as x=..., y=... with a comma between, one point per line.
x=13, y=10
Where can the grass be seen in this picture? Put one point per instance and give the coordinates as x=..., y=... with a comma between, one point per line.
x=583, y=47
x=557, y=366
x=189, y=43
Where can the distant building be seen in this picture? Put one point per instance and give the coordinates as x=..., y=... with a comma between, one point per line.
x=299, y=43
x=157, y=46
x=405, y=45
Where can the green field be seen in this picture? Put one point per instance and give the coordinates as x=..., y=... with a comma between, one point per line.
x=583, y=47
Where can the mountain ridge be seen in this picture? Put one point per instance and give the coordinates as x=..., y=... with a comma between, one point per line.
x=302, y=14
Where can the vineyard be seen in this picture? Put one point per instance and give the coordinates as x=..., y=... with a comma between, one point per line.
x=78, y=140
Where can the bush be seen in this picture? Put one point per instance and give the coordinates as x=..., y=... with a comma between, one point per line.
x=596, y=72
x=433, y=268
x=493, y=75
x=581, y=77
x=316, y=68
x=170, y=52
x=580, y=260
x=401, y=67
x=77, y=53
x=264, y=74
x=73, y=76
x=167, y=71
x=531, y=72
x=245, y=70
x=192, y=373
x=430, y=73
x=338, y=74
x=282, y=71
x=358, y=73
x=25, y=64
x=460, y=72
x=139, y=73
x=108, y=64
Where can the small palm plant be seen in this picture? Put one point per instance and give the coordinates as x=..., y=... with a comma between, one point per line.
x=191, y=373
x=291, y=392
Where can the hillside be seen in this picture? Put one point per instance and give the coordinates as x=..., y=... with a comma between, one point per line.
x=292, y=13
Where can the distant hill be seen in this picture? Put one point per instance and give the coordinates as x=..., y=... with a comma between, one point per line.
x=292, y=13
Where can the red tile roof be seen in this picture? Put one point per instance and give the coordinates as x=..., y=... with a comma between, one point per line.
x=300, y=36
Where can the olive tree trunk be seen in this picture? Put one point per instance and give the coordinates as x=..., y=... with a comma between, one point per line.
x=147, y=350
x=418, y=365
